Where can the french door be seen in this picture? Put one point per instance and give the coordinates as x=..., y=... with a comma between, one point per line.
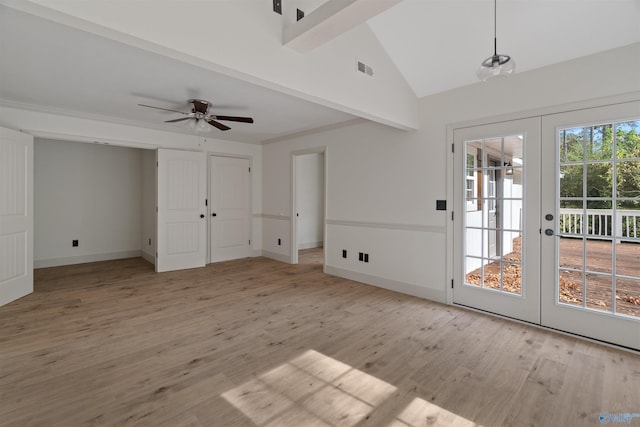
x=547, y=216
x=496, y=218
x=591, y=223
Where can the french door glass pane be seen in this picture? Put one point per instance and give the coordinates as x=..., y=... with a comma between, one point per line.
x=628, y=297
x=599, y=217
x=571, y=287
x=599, y=253
x=599, y=288
x=493, y=220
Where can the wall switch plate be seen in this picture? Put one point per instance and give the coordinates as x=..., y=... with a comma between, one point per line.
x=277, y=6
x=441, y=205
x=74, y=243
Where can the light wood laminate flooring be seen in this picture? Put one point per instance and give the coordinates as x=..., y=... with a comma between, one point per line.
x=256, y=342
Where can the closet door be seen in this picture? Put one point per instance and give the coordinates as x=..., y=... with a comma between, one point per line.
x=16, y=215
x=182, y=222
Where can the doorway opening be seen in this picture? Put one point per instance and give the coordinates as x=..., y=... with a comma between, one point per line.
x=308, y=207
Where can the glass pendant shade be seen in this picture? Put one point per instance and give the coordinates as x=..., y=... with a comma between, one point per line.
x=496, y=66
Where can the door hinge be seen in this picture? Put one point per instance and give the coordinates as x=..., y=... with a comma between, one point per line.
x=452, y=215
x=156, y=254
x=156, y=164
x=156, y=209
x=453, y=150
x=249, y=241
x=206, y=202
x=451, y=283
x=249, y=170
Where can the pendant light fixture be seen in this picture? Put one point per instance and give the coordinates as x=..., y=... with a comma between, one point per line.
x=495, y=65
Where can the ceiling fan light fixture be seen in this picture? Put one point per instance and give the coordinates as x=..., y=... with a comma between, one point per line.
x=202, y=125
x=497, y=65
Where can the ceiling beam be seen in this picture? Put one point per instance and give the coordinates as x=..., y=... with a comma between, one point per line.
x=330, y=20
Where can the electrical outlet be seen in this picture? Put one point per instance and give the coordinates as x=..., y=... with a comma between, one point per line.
x=366, y=257
x=74, y=243
x=277, y=6
x=360, y=256
x=344, y=253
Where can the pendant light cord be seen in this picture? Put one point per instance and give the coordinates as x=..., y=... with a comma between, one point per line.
x=495, y=27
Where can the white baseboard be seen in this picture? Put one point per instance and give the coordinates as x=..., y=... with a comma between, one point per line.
x=392, y=285
x=276, y=256
x=149, y=257
x=256, y=253
x=310, y=245
x=54, y=262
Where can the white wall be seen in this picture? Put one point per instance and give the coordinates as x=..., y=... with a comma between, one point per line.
x=310, y=200
x=382, y=184
x=87, y=192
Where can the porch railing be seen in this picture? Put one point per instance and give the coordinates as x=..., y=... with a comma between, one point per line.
x=600, y=223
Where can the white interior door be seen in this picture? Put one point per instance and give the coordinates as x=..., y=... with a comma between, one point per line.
x=591, y=223
x=16, y=215
x=496, y=221
x=182, y=223
x=230, y=194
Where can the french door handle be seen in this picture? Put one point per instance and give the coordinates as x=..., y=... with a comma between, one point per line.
x=548, y=232
x=201, y=215
x=214, y=214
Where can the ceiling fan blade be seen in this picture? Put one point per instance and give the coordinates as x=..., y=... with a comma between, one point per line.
x=163, y=109
x=178, y=120
x=218, y=125
x=234, y=118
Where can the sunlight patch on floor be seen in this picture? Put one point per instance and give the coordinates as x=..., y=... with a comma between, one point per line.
x=311, y=390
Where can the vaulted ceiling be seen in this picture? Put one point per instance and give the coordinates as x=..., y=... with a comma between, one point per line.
x=90, y=59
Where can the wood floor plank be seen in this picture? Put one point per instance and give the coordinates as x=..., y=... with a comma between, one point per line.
x=257, y=342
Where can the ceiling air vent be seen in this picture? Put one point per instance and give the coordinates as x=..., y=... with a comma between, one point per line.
x=364, y=68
